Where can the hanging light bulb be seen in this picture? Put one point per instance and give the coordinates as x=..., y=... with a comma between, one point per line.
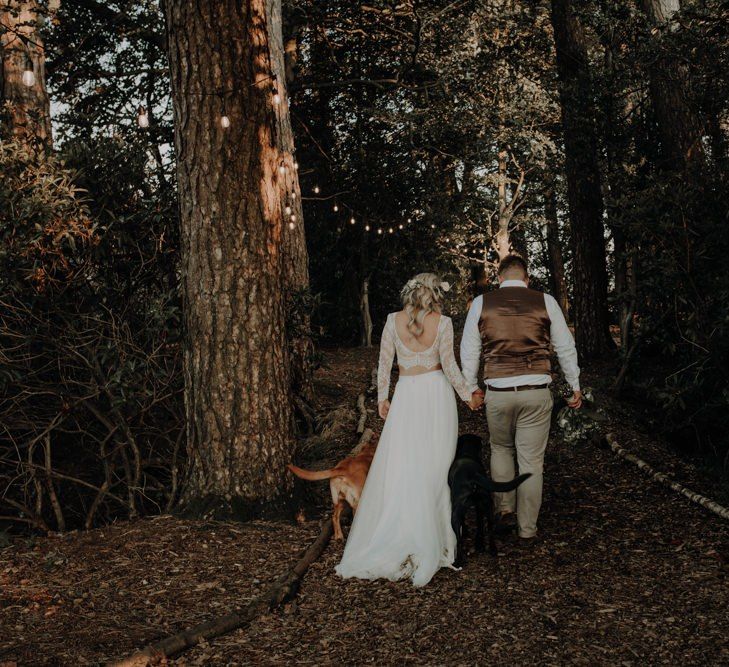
x=410, y=219
x=288, y=210
x=351, y=222
x=142, y=117
x=28, y=74
x=293, y=218
x=296, y=165
x=282, y=169
x=335, y=207
x=293, y=195
x=291, y=225
x=379, y=231
x=367, y=228
x=400, y=227
x=391, y=230
x=316, y=190
x=432, y=226
x=224, y=122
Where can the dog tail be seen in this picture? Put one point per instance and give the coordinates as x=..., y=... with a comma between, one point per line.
x=312, y=475
x=502, y=487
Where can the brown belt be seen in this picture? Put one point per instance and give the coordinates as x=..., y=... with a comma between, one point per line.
x=521, y=387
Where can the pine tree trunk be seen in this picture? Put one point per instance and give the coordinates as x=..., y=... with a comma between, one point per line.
x=234, y=253
x=679, y=126
x=554, y=249
x=27, y=116
x=583, y=184
x=296, y=258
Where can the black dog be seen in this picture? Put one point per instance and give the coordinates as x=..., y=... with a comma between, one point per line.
x=470, y=485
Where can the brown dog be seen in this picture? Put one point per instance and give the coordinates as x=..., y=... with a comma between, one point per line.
x=346, y=481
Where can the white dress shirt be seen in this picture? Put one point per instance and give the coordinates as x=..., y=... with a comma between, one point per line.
x=559, y=333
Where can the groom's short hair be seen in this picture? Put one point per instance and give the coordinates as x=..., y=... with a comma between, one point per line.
x=513, y=264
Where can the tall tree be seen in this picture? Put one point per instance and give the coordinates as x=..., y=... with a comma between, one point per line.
x=554, y=246
x=296, y=258
x=583, y=183
x=679, y=125
x=22, y=71
x=234, y=184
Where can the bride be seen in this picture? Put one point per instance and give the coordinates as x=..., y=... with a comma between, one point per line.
x=402, y=527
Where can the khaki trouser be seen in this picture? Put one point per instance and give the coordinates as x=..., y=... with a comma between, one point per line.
x=519, y=420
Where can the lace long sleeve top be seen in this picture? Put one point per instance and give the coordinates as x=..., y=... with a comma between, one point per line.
x=440, y=352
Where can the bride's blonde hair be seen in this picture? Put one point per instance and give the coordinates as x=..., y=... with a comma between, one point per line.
x=421, y=295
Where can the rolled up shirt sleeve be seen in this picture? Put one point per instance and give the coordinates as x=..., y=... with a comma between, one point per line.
x=563, y=343
x=471, y=343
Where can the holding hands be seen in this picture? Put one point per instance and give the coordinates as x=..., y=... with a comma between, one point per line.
x=477, y=399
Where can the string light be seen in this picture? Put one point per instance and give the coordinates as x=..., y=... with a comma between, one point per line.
x=293, y=218
x=400, y=227
x=288, y=210
x=379, y=230
x=367, y=228
x=28, y=74
x=316, y=190
x=432, y=226
x=352, y=221
x=293, y=194
x=142, y=117
x=291, y=225
x=410, y=219
x=224, y=122
x=296, y=165
x=391, y=230
x=335, y=207
x=282, y=168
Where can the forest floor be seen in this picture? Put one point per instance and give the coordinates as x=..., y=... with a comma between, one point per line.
x=626, y=573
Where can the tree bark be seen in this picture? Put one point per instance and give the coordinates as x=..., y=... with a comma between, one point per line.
x=295, y=255
x=583, y=184
x=679, y=125
x=27, y=113
x=232, y=195
x=554, y=248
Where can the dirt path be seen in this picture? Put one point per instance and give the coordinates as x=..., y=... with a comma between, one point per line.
x=627, y=573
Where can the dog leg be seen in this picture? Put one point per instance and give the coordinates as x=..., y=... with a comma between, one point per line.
x=480, y=544
x=490, y=520
x=457, y=516
x=336, y=515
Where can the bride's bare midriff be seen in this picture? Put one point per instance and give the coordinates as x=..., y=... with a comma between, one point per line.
x=418, y=370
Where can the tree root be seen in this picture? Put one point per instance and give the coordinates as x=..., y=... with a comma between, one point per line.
x=697, y=498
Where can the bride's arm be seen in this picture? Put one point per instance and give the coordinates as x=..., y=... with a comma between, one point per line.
x=384, y=368
x=448, y=360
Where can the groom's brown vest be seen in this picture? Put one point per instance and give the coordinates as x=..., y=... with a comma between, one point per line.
x=514, y=330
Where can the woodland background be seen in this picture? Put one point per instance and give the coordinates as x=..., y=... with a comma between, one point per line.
x=592, y=137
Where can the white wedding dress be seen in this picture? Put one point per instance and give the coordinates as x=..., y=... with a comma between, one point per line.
x=402, y=527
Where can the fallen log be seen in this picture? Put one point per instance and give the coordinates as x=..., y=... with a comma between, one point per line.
x=697, y=498
x=283, y=589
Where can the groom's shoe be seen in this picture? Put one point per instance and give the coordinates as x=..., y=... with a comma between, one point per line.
x=505, y=523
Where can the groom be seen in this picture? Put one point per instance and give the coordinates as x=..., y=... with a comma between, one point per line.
x=514, y=328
